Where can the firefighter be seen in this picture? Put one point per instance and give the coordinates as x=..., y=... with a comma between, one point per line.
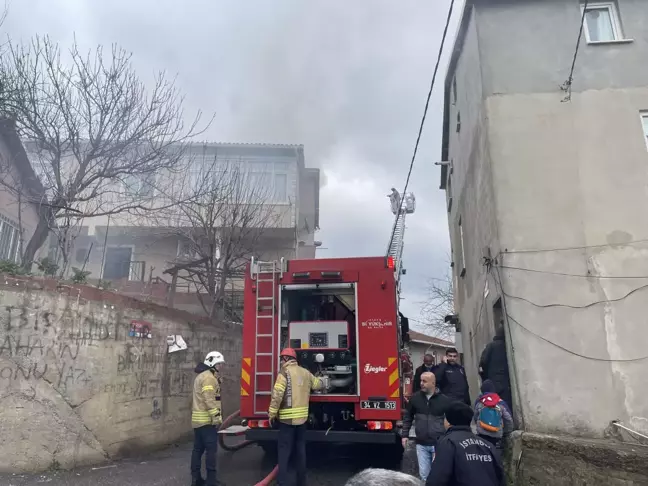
x=289, y=403
x=206, y=417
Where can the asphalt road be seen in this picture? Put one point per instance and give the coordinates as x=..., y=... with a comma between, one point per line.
x=327, y=466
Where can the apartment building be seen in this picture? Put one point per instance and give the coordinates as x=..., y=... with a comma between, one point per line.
x=20, y=195
x=143, y=247
x=545, y=171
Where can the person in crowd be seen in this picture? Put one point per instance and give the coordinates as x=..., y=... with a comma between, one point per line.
x=382, y=477
x=428, y=364
x=492, y=416
x=493, y=365
x=427, y=408
x=206, y=418
x=451, y=378
x=462, y=458
x=289, y=402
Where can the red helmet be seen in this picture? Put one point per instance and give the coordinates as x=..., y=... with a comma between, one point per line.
x=289, y=353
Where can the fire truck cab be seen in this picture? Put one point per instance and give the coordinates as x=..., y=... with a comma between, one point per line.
x=340, y=315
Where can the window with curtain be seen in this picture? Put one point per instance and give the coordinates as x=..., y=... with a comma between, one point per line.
x=602, y=22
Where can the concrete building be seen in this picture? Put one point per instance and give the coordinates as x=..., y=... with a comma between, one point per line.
x=130, y=249
x=545, y=176
x=20, y=193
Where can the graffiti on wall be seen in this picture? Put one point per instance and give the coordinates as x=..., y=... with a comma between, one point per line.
x=141, y=329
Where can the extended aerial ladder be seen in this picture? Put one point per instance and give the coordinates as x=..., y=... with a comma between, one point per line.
x=401, y=207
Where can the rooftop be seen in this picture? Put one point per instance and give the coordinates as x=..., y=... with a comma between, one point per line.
x=419, y=337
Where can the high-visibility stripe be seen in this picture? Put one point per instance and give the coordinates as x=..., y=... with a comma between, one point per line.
x=213, y=411
x=207, y=388
x=246, y=374
x=299, y=412
x=273, y=410
x=393, y=389
x=279, y=386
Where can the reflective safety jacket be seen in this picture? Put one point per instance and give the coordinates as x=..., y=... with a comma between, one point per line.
x=291, y=394
x=206, y=407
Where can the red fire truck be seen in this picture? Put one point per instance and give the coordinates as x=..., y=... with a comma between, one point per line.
x=341, y=317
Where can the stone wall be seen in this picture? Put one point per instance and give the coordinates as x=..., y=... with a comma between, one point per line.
x=76, y=388
x=539, y=459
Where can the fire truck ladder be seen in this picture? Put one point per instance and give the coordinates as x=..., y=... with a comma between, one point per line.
x=266, y=274
x=401, y=207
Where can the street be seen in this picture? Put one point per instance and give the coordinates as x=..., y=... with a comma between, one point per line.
x=171, y=468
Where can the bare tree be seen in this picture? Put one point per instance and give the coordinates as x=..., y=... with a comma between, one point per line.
x=220, y=219
x=90, y=126
x=439, y=303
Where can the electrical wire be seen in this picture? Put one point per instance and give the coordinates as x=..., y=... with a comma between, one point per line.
x=571, y=248
x=577, y=275
x=592, y=358
x=567, y=86
x=422, y=124
x=591, y=304
x=516, y=374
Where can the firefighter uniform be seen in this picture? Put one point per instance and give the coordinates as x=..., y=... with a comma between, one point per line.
x=289, y=404
x=206, y=417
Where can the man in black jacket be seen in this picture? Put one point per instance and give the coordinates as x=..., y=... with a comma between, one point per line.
x=493, y=365
x=428, y=365
x=462, y=458
x=427, y=408
x=451, y=378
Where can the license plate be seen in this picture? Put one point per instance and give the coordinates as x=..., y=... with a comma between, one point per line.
x=377, y=405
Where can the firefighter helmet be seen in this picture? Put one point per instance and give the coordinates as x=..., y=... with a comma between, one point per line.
x=288, y=353
x=214, y=358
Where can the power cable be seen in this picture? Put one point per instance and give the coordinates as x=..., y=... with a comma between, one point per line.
x=571, y=248
x=567, y=86
x=516, y=375
x=592, y=358
x=577, y=275
x=422, y=124
x=548, y=341
x=591, y=304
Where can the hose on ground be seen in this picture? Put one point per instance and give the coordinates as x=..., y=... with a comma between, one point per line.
x=269, y=478
x=221, y=437
x=221, y=441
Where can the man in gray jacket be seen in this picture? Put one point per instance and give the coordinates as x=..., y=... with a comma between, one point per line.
x=427, y=409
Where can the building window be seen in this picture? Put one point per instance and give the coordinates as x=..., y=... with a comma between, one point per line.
x=140, y=185
x=644, y=123
x=462, y=266
x=454, y=91
x=602, y=22
x=449, y=191
x=458, y=122
x=281, y=188
x=9, y=239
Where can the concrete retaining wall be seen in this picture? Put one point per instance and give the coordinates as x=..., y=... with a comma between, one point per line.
x=538, y=459
x=77, y=389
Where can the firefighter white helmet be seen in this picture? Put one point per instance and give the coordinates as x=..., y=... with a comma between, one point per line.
x=214, y=358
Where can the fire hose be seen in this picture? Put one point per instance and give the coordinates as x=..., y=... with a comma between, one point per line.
x=221, y=441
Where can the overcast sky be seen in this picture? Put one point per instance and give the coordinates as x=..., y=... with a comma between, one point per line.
x=347, y=79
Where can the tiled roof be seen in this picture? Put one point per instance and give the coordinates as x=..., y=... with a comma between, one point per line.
x=424, y=338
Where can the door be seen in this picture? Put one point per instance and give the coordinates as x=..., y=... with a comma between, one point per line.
x=118, y=263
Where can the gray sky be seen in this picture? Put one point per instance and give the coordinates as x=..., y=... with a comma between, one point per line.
x=346, y=79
